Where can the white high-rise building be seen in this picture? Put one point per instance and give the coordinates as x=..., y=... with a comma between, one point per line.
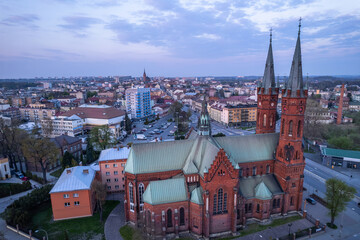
x=138, y=102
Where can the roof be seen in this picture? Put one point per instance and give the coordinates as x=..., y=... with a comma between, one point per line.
x=64, y=140
x=114, y=154
x=261, y=187
x=340, y=153
x=95, y=112
x=73, y=179
x=269, y=75
x=196, y=196
x=166, y=191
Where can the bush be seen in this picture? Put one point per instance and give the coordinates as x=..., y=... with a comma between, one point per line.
x=333, y=226
x=13, y=188
x=34, y=177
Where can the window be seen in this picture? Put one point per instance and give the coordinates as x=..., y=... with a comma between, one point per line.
x=76, y=203
x=290, y=128
x=250, y=207
x=116, y=179
x=109, y=187
x=117, y=186
x=131, y=196
x=282, y=126
x=293, y=185
x=122, y=164
x=271, y=120
x=299, y=129
x=115, y=165
x=225, y=202
x=267, y=169
x=240, y=172
x=292, y=201
x=278, y=203
x=148, y=218
x=246, y=208
x=214, y=210
x=264, y=120
x=274, y=203
x=237, y=213
x=182, y=216
x=107, y=173
x=108, y=180
x=254, y=171
x=297, y=155
x=66, y=195
x=116, y=172
x=67, y=204
x=75, y=195
x=141, y=193
x=106, y=165
x=220, y=200
x=169, y=218
x=258, y=208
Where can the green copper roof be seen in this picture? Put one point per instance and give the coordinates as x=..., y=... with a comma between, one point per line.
x=166, y=191
x=196, y=196
x=340, y=153
x=262, y=191
x=250, y=148
x=251, y=187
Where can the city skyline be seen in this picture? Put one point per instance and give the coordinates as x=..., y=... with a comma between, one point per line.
x=182, y=38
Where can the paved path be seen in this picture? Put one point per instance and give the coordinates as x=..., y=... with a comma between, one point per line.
x=116, y=219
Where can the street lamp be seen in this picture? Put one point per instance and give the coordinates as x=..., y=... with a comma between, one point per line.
x=289, y=225
x=47, y=237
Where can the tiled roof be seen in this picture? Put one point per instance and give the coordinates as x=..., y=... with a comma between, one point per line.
x=95, y=112
x=166, y=191
x=261, y=187
x=73, y=179
x=114, y=154
x=196, y=196
x=64, y=140
x=262, y=191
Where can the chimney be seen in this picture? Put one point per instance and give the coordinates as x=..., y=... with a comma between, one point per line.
x=340, y=106
x=80, y=163
x=85, y=171
x=68, y=171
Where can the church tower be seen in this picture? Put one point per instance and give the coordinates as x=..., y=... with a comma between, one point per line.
x=144, y=76
x=290, y=163
x=204, y=120
x=267, y=97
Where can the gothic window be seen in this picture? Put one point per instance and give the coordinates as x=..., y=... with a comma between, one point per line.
x=141, y=192
x=220, y=200
x=214, y=210
x=267, y=169
x=278, y=203
x=254, y=171
x=131, y=196
x=271, y=120
x=258, y=208
x=282, y=126
x=274, y=203
x=296, y=155
x=246, y=208
x=169, y=218
x=290, y=128
x=182, y=216
x=250, y=207
x=240, y=172
x=299, y=129
x=225, y=202
x=292, y=201
x=264, y=120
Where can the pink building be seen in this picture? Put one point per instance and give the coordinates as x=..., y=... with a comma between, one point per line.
x=112, y=164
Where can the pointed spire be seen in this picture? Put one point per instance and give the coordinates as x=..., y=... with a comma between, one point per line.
x=295, y=81
x=277, y=82
x=269, y=75
x=204, y=128
x=307, y=81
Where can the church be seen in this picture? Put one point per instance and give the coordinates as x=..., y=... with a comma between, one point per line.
x=211, y=186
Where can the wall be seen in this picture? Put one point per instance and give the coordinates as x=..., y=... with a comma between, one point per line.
x=112, y=177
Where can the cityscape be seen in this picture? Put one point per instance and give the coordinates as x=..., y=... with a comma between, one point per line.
x=155, y=120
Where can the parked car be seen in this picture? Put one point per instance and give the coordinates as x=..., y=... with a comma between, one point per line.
x=311, y=201
x=21, y=176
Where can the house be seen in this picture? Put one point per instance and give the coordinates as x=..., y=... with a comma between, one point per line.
x=68, y=144
x=112, y=164
x=71, y=197
x=4, y=169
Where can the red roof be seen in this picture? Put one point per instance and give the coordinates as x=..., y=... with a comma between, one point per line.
x=100, y=113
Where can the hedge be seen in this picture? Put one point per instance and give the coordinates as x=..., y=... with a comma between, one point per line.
x=8, y=189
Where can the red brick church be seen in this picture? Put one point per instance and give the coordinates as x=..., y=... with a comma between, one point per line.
x=212, y=186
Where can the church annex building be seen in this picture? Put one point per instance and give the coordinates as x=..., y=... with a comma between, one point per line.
x=211, y=186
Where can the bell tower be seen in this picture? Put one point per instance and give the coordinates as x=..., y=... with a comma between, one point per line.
x=204, y=120
x=267, y=97
x=290, y=162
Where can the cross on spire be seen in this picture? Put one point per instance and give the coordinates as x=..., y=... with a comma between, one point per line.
x=299, y=24
x=270, y=35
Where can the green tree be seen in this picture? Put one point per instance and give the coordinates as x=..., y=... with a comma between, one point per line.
x=40, y=151
x=127, y=124
x=342, y=142
x=338, y=194
x=90, y=154
x=99, y=191
x=91, y=94
x=101, y=137
x=175, y=109
x=68, y=160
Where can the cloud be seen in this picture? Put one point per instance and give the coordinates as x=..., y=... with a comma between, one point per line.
x=27, y=20
x=79, y=22
x=208, y=36
x=313, y=30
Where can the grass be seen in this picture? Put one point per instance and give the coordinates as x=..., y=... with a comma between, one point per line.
x=333, y=226
x=72, y=228
x=310, y=150
x=57, y=173
x=129, y=233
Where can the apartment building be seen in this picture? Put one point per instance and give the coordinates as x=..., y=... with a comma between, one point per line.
x=71, y=126
x=36, y=114
x=138, y=102
x=239, y=115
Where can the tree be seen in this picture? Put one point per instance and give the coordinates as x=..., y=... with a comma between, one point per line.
x=338, y=194
x=99, y=191
x=101, y=137
x=127, y=124
x=90, y=155
x=47, y=127
x=342, y=142
x=40, y=151
x=175, y=108
x=68, y=160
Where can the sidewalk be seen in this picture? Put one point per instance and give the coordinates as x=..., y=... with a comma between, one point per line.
x=116, y=219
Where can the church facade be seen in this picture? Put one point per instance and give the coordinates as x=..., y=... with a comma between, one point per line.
x=212, y=186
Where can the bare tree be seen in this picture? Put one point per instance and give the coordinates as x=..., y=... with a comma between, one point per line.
x=99, y=191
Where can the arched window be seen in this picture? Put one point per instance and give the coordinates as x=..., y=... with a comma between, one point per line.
x=292, y=201
x=131, y=196
x=290, y=128
x=264, y=120
x=225, y=202
x=254, y=171
x=274, y=203
x=182, y=216
x=220, y=200
x=141, y=199
x=267, y=169
x=215, y=209
x=278, y=203
x=299, y=129
x=258, y=208
x=271, y=120
x=240, y=172
x=282, y=126
x=169, y=218
x=296, y=155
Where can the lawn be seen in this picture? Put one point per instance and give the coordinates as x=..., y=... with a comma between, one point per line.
x=129, y=233
x=72, y=228
x=57, y=173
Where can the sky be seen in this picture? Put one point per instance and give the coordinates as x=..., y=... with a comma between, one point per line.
x=64, y=38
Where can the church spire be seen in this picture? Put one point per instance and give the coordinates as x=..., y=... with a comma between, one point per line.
x=269, y=76
x=295, y=82
x=204, y=120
